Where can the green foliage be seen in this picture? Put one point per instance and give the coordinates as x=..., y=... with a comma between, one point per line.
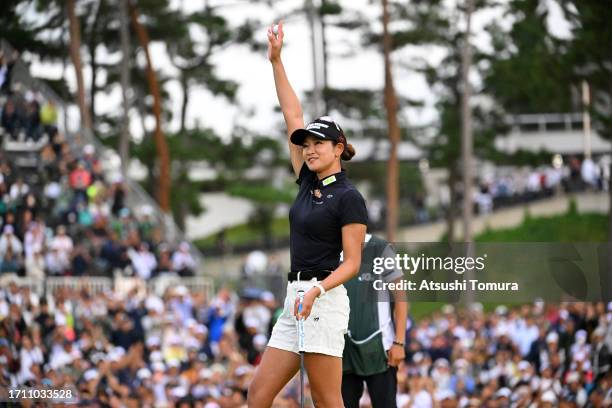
x=426, y=21
x=569, y=227
x=31, y=34
x=527, y=73
x=229, y=160
x=263, y=193
x=589, y=53
x=373, y=172
x=247, y=235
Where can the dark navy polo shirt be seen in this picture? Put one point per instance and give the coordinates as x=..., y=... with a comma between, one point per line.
x=316, y=218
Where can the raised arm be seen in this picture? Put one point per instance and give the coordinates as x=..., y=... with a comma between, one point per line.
x=289, y=102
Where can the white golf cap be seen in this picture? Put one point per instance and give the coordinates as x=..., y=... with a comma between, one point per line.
x=461, y=363
x=448, y=309
x=153, y=341
x=206, y=373
x=90, y=374
x=549, y=396
x=441, y=395
x=523, y=365
x=441, y=362
x=503, y=393
x=174, y=363
x=143, y=373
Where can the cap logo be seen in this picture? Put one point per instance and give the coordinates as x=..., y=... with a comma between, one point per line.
x=318, y=133
x=316, y=125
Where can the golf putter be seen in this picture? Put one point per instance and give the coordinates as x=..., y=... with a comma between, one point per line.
x=301, y=346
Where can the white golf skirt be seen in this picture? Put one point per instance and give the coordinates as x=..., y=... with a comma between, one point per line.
x=325, y=327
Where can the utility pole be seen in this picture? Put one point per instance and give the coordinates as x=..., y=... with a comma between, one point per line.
x=467, y=142
x=124, y=140
x=317, y=96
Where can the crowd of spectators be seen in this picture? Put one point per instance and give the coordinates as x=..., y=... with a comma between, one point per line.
x=520, y=185
x=65, y=218
x=498, y=187
x=182, y=349
x=531, y=355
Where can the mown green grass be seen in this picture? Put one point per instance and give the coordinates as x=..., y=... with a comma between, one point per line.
x=244, y=234
x=569, y=227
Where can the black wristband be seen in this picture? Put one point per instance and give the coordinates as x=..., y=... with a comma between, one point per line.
x=397, y=343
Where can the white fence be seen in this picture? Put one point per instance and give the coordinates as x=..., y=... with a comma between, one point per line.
x=121, y=285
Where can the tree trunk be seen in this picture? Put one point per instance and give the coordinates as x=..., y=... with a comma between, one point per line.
x=394, y=133
x=75, y=55
x=163, y=155
x=92, y=88
x=124, y=138
x=450, y=213
x=185, y=89
x=467, y=143
x=92, y=45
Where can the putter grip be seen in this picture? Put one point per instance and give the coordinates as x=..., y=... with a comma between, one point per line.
x=300, y=322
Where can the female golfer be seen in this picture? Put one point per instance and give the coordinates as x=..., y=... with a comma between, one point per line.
x=328, y=216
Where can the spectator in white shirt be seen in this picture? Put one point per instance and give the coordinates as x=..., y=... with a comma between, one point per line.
x=35, y=265
x=19, y=190
x=143, y=261
x=53, y=263
x=182, y=261
x=10, y=250
x=29, y=356
x=34, y=239
x=588, y=171
x=62, y=243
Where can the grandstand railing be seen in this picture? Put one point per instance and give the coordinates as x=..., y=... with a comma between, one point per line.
x=91, y=284
x=137, y=197
x=542, y=122
x=120, y=285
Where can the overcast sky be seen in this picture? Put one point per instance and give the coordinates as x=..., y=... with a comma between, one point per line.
x=256, y=95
